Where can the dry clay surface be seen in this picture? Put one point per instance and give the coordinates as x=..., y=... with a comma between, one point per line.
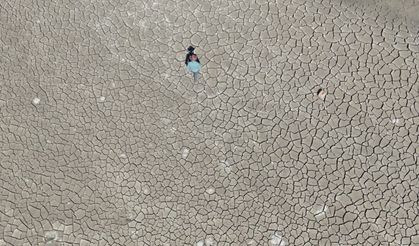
x=106, y=140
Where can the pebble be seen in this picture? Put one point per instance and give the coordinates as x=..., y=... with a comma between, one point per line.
x=36, y=101
x=185, y=153
x=210, y=191
x=395, y=121
x=50, y=235
x=321, y=94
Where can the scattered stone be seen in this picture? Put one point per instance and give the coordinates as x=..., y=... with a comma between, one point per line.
x=200, y=243
x=395, y=121
x=50, y=236
x=210, y=191
x=146, y=191
x=185, y=153
x=321, y=94
x=102, y=99
x=36, y=101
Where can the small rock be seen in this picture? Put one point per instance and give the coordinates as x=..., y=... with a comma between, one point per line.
x=146, y=191
x=395, y=121
x=210, y=191
x=200, y=243
x=102, y=99
x=36, y=101
x=50, y=236
x=185, y=153
x=321, y=94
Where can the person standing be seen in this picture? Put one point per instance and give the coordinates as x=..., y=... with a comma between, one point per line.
x=192, y=63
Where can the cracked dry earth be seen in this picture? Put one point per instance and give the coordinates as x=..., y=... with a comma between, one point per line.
x=106, y=140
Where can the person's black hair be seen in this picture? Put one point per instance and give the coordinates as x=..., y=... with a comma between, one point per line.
x=190, y=53
x=191, y=49
x=188, y=58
